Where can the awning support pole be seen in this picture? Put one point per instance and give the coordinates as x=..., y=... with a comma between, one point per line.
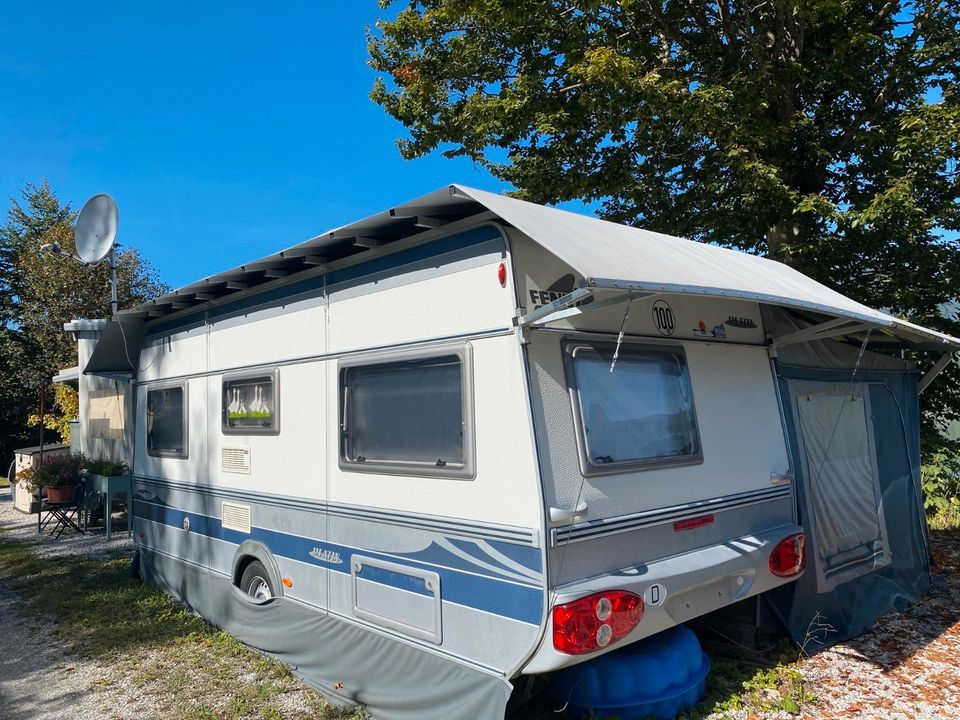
x=938, y=367
x=829, y=329
x=549, y=309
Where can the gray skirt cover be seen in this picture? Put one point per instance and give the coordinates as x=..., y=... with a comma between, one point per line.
x=345, y=663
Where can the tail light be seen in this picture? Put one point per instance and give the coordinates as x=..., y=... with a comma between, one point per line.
x=787, y=558
x=595, y=621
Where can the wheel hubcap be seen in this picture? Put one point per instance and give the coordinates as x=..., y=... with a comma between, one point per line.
x=259, y=589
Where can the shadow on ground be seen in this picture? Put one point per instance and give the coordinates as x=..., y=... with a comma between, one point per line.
x=900, y=636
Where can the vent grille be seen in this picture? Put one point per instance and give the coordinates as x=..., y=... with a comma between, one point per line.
x=236, y=460
x=235, y=517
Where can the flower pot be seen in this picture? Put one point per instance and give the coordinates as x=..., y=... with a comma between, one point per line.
x=60, y=493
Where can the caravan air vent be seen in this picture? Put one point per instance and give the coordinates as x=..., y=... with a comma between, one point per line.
x=235, y=517
x=236, y=460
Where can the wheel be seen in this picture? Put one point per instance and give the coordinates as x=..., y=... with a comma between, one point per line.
x=255, y=582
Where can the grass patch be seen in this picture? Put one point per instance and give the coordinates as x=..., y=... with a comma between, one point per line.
x=762, y=691
x=737, y=685
x=171, y=660
x=946, y=519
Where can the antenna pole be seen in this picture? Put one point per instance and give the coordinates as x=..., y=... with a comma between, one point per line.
x=113, y=283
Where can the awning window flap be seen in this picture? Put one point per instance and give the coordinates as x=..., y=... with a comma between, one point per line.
x=118, y=350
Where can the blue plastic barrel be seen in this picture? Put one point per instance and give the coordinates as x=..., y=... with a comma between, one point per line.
x=658, y=676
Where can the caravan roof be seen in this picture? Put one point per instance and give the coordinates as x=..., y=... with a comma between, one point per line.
x=607, y=255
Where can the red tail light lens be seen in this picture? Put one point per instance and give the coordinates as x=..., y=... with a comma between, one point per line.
x=595, y=621
x=787, y=558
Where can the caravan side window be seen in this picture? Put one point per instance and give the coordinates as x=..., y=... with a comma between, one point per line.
x=167, y=421
x=249, y=404
x=638, y=416
x=408, y=414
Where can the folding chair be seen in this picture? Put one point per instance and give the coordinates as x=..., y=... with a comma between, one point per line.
x=62, y=515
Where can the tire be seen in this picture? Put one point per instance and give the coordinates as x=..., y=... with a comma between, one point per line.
x=256, y=584
x=134, y=570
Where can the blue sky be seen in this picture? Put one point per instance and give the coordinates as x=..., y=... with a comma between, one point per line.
x=225, y=131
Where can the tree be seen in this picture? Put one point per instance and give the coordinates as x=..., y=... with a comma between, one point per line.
x=821, y=133
x=39, y=293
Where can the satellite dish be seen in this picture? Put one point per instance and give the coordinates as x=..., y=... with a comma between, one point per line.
x=96, y=229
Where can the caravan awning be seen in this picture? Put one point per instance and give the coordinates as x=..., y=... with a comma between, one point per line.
x=607, y=255
x=613, y=256
x=117, y=353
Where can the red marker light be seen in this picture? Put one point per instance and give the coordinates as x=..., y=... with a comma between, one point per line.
x=692, y=523
x=502, y=274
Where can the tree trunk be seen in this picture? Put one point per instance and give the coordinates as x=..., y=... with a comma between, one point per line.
x=778, y=241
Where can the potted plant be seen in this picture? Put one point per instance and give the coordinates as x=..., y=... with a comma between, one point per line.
x=108, y=477
x=58, y=475
x=104, y=467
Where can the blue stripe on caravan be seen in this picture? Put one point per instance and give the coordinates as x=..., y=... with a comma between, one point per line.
x=436, y=555
x=395, y=579
x=490, y=594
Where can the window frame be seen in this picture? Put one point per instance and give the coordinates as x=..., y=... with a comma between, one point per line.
x=274, y=375
x=587, y=467
x=466, y=471
x=184, y=419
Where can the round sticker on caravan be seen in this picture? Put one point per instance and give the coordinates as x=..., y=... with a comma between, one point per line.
x=654, y=595
x=663, y=318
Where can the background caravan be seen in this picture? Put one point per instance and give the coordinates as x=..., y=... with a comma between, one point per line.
x=471, y=439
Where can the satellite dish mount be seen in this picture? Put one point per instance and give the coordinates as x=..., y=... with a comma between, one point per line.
x=96, y=236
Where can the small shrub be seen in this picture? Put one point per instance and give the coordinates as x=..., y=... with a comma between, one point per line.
x=104, y=466
x=940, y=479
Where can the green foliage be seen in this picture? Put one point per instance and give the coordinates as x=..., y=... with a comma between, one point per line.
x=38, y=294
x=104, y=466
x=768, y=690
x=940, y=479
x=946, y=520
x=66, y=407
x=65, y=469
x=822, y=133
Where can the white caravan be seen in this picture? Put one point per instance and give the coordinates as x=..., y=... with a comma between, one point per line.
x=469, y=439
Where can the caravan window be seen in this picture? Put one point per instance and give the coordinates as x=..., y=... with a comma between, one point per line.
x=640, y=415
x=408, y=415
x=167, y=421
x=249, y=404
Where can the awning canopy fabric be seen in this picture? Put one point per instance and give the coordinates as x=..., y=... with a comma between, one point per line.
x=606, y=254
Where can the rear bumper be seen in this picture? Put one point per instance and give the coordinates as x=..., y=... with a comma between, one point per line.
x=675, y=589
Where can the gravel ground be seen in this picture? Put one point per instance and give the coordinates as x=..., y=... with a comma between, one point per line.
x=906, y=667
x=38, y=677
